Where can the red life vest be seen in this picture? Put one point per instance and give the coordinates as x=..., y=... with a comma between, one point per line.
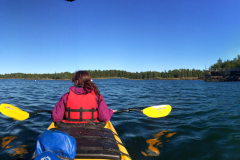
x=81, y=108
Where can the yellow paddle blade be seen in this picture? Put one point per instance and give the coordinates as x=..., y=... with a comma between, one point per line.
x=13, y=112
x=157, y=111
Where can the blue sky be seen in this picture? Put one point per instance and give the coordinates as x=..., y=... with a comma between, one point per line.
x=47, y=36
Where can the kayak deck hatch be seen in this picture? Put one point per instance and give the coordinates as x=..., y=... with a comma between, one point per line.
x=94, y=143
x=103, y=148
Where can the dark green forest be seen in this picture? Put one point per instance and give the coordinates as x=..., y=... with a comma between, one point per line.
x=177, y=73
x=181, y=73
x=235, y=63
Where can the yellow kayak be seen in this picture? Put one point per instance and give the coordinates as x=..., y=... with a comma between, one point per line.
x=119, y=152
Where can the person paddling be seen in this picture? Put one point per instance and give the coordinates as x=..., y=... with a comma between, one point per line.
x=83, y=103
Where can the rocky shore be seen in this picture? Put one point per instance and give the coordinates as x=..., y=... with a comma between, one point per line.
x=223, y=79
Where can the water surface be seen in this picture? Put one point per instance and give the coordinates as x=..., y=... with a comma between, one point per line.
x=204, y=122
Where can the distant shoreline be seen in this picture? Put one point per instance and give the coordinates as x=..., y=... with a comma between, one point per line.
x=187, y=78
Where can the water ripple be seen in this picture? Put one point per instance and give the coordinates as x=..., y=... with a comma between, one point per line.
x=204, y=122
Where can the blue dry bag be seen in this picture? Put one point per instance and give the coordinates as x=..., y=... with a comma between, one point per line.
x=56, y=142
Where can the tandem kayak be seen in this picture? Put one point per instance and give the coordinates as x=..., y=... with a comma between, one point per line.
x=96, y=143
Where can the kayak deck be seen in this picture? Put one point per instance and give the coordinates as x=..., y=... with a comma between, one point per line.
x=121, y=147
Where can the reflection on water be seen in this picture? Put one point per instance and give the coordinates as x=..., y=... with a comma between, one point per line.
x=7, y=140
x=20, y=150
x=158, y=140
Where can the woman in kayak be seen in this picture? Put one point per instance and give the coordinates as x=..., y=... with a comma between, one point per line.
x=83, y=103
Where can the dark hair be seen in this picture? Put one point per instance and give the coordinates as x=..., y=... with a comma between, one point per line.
x=83, y=78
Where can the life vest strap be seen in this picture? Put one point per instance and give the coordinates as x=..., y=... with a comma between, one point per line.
x=83, y=120
x=81, y=110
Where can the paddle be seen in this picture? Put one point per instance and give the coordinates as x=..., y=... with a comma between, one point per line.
x=18, y=114
x=153, y=111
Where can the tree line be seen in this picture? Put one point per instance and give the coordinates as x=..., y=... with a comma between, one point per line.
x=235, y=63
x=176, y=73
x=181, y=73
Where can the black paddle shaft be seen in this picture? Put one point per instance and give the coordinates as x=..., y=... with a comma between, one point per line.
x=125, y=110
x=128, y=110
x=39, y=111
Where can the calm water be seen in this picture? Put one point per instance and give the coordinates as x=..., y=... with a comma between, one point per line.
x=204, y=122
